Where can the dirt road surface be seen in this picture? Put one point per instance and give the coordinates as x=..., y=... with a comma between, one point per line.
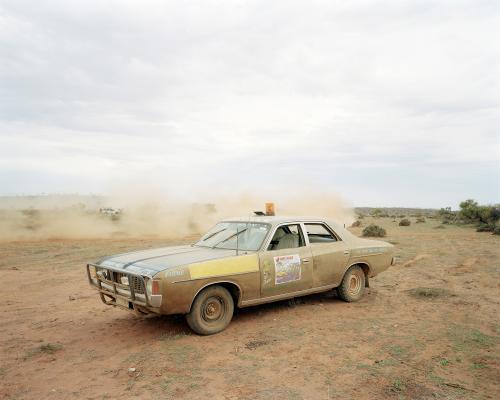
x=427, y=328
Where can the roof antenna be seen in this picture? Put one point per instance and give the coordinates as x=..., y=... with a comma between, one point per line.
x=237, y=237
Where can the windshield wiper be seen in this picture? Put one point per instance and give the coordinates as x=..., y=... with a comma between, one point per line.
x=212, y=235
x=230, y=237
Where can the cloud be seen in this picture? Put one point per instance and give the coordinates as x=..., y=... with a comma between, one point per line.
x=339, y=95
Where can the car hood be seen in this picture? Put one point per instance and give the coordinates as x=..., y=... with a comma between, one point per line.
x=150, y=262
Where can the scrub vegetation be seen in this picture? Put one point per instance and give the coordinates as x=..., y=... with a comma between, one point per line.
x=486, y=218
x=373, y=230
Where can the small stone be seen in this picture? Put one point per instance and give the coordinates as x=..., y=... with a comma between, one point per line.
x=71, y=298
x=131, y=370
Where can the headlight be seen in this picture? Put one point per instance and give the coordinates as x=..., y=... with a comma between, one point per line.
x=103, y=274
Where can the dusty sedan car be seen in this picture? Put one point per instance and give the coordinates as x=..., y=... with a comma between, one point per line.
x=241, y=262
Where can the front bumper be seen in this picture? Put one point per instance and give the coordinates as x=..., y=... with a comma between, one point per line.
x=132, y=295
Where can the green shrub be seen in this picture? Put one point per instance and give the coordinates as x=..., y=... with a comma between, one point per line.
x=405, y=222
x=424, y=292
x=485, y=228
x=471, y=211
x=447, y=216
x=420, y=220
x=373, y=230
x=496, y=230
x=356, y=224
x=468, y=210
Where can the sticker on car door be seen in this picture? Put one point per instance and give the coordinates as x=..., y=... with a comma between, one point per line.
x=287, y=269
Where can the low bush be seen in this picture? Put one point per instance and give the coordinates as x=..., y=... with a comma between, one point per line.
x=356, y=224
x=496, y=230
x=373, y=230
x=485, y=228
x=423, y=292
x=420, y=220
x=405, y=222
x=447, y=216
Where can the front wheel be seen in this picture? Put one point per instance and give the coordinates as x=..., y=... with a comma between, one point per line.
x=212, y=311
x=353, y=285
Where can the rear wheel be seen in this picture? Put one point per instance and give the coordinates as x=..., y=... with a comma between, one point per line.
x=353, y=285
x=212, y=311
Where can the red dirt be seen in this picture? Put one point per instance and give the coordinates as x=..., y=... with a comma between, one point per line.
x=58, y=341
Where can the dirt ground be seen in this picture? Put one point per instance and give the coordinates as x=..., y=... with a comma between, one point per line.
x=427, y=328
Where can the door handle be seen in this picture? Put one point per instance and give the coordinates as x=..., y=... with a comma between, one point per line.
x=305, y=260
x=347, y=252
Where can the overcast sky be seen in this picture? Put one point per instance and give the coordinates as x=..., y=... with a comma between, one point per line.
x=383, y=102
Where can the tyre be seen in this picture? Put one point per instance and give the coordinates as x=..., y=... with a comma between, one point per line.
x=212, y=311
x=353, y=284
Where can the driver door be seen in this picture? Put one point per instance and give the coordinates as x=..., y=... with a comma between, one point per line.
x=286, y=265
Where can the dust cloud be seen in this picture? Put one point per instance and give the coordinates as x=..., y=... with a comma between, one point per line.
x=150, y=214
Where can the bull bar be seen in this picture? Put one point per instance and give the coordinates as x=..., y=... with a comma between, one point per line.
x=110, y=290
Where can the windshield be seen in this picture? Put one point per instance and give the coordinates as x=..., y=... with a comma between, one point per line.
x=229, y=235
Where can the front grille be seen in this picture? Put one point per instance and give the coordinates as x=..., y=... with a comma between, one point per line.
x=133, y=281
x=136, y=283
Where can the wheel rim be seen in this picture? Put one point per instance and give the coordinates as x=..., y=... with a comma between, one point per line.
x=214, y=309
x=354, y=284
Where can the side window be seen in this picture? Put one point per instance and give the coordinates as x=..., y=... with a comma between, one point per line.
x=319, y=233
x=287, y=237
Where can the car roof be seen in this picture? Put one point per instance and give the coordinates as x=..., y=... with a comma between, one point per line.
x=274, y=219
x=277, y=220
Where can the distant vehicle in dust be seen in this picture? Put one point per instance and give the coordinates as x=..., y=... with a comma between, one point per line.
x=110, y=211
x=238, y=263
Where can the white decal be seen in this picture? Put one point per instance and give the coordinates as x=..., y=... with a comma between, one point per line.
x=174, y=273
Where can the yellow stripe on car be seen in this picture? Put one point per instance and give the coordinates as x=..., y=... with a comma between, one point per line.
x=225, y=266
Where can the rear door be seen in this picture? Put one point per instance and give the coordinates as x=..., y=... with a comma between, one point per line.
x=330, y=254
x=286, y=265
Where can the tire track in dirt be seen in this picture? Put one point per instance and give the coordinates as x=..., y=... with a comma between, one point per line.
x=415, y=259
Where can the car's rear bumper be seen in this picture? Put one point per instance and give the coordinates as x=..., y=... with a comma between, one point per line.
x=131, y=295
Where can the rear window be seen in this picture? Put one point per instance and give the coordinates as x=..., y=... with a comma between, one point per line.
x=319, y=233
